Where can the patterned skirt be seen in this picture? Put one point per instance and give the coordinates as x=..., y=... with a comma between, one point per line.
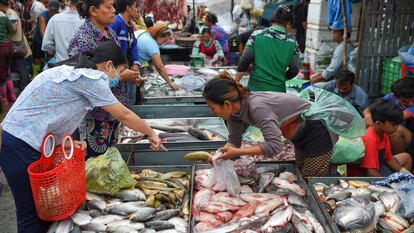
x=6, y=57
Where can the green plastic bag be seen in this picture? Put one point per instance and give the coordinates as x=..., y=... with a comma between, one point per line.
x=348, y=150
x=336, y=113
x=253, y=134
x=108, y=173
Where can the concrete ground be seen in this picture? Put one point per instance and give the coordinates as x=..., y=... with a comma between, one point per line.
x=7, y=208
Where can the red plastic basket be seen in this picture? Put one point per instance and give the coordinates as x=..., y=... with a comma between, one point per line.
x=58, y=179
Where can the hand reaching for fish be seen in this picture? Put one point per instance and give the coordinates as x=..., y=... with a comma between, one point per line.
x=229, y=152
x=155, y=142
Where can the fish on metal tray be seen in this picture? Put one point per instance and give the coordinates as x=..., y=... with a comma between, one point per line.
x=64, y=226
x=159, y=225
x=123, y=209
x=106, y=219
x=95, y=213
x=280, y=218
x=264, y=208
x=198, y=133
x=174, y=174
x=244, y=211
x=202, y=198
x=396, y=221
x=257, y=197
x=179, y=224
x=92, y=196
x=225, y=216
x=143, y=214
x=276, y=169
x=291, y=186
x=380, y=189
x=288, y=176
x=264, y=180
x=359, y=192
x=208, y=218
x=216, y=207
x=246, y=189
x=148, y=230
x=225, y=197
x=244, y=180
x=301, y=225
x=94, y=227
x=165, y=215
x=197, y=156
x=122, y=229
x=297, y=200
x=388, y=199
x=339, y=195
x=81, y=218
x=131, y=195
x=134, y=225
x=96, y=205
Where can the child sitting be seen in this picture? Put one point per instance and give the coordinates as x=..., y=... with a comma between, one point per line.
x=378, y=160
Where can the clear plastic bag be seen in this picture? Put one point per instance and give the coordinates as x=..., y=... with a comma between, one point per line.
x=336, y=113
x=356, y=215
x=225, y=173
x=406, y=193
x=245, y=167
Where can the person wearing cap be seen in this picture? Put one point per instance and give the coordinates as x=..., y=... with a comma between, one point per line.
x=274, y=55
x=148, y=48
x=337, y=60
x=59, y=30
x=38, y=55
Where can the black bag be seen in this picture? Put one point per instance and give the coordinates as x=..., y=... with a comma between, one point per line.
x=19, y=48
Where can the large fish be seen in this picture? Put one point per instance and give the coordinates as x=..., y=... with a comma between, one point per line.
x=227, y=198
x=264, y=180
x=106, y=219
x=131, y=195
x=202, y=199
x=280, y=218
x=81, y=218
x=301, y=225
x=291, y=186
x=245, y=211
x=224, y=216
x=216, y=207
x=208, y=218
x=257, y=197
x=264, y=208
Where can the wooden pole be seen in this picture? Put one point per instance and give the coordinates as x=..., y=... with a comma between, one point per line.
x=195, y=18
x=345, y=31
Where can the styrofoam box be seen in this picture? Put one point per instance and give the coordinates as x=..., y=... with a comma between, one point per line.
x=317, y=35
x=318, y=13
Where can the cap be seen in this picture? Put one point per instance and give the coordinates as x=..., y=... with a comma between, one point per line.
x=53, y=5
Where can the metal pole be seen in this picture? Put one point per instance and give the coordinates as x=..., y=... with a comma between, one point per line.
x=345, y=31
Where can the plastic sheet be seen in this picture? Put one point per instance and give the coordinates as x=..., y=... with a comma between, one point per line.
x=336, y=113
x=406, y=193
x=108, y=173
x=356, y=215
x=225, y=173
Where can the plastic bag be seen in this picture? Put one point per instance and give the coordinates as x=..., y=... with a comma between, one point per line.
x=356, y=214
x=406, y=194
x=253, y=134
x=246, y=4
x=258, y=8
x=225, y=173
x=108, y=173
x=407, y=55
x=336, y=113
x=245, y=167
x=348, y=150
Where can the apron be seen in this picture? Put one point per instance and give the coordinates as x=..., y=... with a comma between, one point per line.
x=210, y=52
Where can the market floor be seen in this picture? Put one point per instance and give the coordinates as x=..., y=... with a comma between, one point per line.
x=7, y=208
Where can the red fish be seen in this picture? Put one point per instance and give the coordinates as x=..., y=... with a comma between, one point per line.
x=224, y=216
x=208, y=218
x=227, y=198
x=216, y=207
x=245, y=211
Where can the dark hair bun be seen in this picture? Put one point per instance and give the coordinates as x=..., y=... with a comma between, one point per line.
x=283, y=15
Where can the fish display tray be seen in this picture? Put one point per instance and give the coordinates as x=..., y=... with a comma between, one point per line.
x=315, y=208
x=169, y=111
x=163, y=169
x=213, y=124
x=172, y=157
x=329, y=181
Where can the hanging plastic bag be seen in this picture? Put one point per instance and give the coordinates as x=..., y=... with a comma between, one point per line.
x=246, y=4
x=258, y=8
x=225, y=173
x=336, y=113
x=108, y=173
x=348, y=150
x=356, y=215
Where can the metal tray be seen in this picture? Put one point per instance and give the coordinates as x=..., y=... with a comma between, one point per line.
x=309, y=198
x=175, y=111
x=333, y=180
x=172, y=157
x=214, y=124
x=189, y=169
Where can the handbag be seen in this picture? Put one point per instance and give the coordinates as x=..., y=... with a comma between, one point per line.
x=19, y=48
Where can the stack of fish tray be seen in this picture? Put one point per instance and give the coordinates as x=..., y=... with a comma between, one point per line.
x=199, y=117
x=263, y=205
x=334, y=181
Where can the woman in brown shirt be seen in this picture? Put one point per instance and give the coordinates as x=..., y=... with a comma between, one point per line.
x=276, y=114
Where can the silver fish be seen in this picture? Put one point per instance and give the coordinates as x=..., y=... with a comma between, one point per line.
x=64, y=226
x=301, y=226
x=122, y=229
x=143, y=214
x=355, y=213
x=81, y=218
x=52, y=227
x=159, y=225
x=265, y=179
x=339, y=195
x=165, y=215
x=93, y=196
x=106, y=219
x=135, y=225
x=123, y=209
x=276, y=169
x=95, y=227
x=288, y=176
x=131, y=195
x=388, y=199
x=297, y=200
x=96, y=205
x=380, y=189
x=359, y=192
x=94, y=213
x=379, y=208
x=280, y=218
x=76, y=229
x=148, y=230
x=179, y=224
x=383, y=226
x=291, y=186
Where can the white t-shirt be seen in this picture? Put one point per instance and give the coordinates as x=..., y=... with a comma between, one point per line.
x=36, y=10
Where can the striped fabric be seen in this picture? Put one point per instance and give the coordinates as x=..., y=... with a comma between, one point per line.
x=59, y=31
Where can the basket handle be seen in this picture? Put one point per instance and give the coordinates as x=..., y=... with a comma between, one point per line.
x=48, y=138
x=68, y=139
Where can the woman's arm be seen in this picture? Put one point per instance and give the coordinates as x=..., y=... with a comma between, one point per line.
x=42, y=26
x=156, y=60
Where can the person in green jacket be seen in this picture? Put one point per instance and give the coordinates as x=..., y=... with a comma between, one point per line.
x=274, y=55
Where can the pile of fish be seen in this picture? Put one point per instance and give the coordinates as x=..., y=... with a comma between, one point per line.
x=270, y=201
x=155, y=87
x=159, y=203
x=358, y=206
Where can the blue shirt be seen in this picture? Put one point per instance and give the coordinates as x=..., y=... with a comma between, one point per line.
x=409, y=123
x=56, y=101
x=36, y=36
x=126, y=38
x=357, y=97
x=147, y=46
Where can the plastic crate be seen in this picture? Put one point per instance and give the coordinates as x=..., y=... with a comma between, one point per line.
x=391, y=72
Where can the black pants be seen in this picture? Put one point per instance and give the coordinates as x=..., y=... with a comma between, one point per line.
x=18, y=65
